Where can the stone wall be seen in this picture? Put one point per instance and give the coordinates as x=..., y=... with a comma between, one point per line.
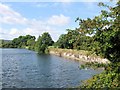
x=80, y=57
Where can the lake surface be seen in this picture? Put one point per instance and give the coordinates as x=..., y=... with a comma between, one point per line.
x=23, y=68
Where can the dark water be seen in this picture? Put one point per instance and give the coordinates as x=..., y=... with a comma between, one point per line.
x=26, y=69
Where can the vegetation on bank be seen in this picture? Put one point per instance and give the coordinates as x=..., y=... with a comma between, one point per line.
x=100, y=35
x=108, y=79
x=43, y=42
x=28, y=42
x=74, y=51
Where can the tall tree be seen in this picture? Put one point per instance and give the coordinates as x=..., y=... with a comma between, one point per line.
x=67, y=40
x=105, y=29
x=43, y=42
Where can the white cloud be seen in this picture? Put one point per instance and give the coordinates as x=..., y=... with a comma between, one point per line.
x=7, y=15
x=13, y=20
x=32, y=26
x=13, y=31
x=59, y=20
x=7, y=11
x=4, y=34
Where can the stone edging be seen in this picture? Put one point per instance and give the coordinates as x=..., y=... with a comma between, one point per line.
x=80, y=57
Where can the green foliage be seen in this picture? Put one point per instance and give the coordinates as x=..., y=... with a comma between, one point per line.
x=5, y=43
x=110, y=78
x=83, y=43
x=20, y=42
x=67, y=40
x=62, y=42
x=106, y=43
x=31, y=44
x=114, y=52
x=43, y=42
x=105, y=29
x=94, y=65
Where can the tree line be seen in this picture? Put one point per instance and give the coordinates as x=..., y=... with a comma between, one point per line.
x=29, y=42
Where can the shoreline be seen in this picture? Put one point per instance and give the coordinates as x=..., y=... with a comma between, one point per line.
x=80, y=55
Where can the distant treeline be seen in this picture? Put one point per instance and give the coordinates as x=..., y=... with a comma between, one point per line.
x=29, y=42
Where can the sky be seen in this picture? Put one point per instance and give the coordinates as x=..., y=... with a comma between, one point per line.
x=35, y=18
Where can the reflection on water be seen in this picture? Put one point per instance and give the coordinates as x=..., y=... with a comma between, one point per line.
x=26, y=69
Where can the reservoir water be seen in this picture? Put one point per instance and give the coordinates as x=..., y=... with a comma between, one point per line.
x=23, y=68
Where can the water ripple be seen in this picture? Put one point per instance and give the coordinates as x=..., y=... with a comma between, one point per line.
x=24, y=68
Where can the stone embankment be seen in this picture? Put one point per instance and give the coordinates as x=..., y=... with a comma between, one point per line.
x=78, y=56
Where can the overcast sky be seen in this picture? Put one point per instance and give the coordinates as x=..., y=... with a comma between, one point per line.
x=34, y=18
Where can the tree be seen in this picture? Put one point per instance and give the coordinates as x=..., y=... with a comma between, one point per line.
x=21, y=41
x=46, y=39
x=114, y=52
x=61, y=42
x=43, y=42
x=31, y=44
x=37, y=44
x=105, y=29
x=67, y=40
x=107, y=42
